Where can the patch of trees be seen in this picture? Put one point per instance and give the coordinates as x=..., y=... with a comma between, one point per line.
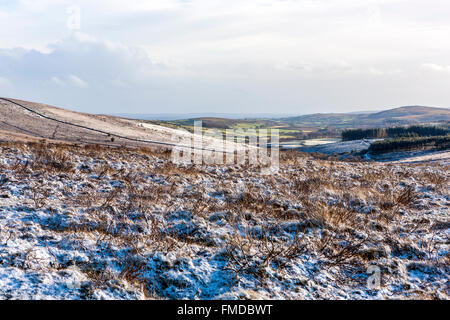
x=410, y=143
x=394, y=132
x=358, y=134
x=327, y=132
x=416, y=131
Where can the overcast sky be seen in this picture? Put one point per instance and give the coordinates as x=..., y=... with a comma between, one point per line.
x=229, y=56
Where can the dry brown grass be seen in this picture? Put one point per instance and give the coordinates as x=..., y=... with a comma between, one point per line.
x=347, y=207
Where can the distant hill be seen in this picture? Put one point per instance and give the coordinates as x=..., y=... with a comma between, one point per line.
x=401, y=115
x=325, y=119
x=413, y=113
x=184, y=116
x=224, y=123
x=397, y=116
x=317, y=125
x=22, y=120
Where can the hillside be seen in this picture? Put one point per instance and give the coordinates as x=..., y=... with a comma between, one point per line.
x=118, y=223
x=320, y=124
x=29, y=121
x=401, y=115
x=83, y=219
x=412, y=114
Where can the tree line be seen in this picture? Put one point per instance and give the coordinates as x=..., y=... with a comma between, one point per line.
x=394, y=132
x=410, y=143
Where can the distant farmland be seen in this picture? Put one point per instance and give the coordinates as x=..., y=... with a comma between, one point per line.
x=321, y=125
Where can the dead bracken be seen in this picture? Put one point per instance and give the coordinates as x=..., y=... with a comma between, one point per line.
x=93, y=222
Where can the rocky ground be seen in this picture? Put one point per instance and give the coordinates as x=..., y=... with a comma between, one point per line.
x=114, y=223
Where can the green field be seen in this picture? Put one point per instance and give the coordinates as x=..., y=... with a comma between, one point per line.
x=287, y=131
x=320, y=125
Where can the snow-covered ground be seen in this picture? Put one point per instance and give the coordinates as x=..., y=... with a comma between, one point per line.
x=98, y=223
x=418, y=156
x=339, y=147
x=18, y=123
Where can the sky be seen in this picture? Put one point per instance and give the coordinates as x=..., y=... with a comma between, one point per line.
x=233, y=56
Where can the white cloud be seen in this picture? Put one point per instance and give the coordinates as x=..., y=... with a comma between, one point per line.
x=76, y=81
x=207, y=55
x=58, y=81
x=70, y=80
x=436, y=67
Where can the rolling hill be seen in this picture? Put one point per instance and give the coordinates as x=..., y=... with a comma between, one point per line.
x=322, y=124
x=400, y=116
x=23, y=120
x=29, y=121
x=412, y=113
x=397, y=116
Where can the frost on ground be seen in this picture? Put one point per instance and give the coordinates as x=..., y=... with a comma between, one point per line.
x=103, y=223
